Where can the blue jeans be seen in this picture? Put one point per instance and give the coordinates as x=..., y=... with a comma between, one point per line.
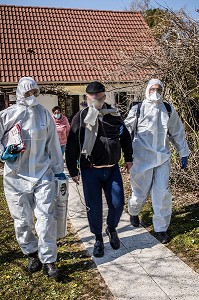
x=63, y=147
x=94, y=181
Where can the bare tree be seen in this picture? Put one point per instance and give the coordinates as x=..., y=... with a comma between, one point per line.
x=171, y=54
x=174, y=58
x=139, y=5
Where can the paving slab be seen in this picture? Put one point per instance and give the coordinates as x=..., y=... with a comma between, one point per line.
x=143, y=268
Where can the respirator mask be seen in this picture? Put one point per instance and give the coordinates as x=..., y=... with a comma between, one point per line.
x=31, y=100
x=155, y=96
x=57, y=116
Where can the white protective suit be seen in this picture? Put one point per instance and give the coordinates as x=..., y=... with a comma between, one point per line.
x=151, y=153
x=29, y=182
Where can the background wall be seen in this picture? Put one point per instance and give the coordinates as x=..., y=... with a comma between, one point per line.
x=48, y=101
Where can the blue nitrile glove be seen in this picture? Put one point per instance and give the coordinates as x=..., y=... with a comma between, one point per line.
x=9, y=157
x=60, y=176
x=184, y=161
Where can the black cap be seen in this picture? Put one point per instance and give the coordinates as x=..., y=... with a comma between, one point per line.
x=95, y=87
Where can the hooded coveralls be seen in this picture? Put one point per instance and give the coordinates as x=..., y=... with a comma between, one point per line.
x=151, y=153
x=29, y=183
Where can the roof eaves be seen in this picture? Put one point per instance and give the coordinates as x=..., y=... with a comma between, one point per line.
x=6, y=84
x=71, y=9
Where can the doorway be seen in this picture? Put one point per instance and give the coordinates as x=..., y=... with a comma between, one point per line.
x=69, y=106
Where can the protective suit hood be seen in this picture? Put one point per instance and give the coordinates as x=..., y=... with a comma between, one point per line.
x=25, y=85
x=152, y=82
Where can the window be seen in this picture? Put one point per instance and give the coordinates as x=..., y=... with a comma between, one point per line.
x=69, y=106
x=2, y=102
x=122, y=101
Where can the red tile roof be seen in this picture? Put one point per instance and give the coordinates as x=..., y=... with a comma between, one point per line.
x=68, y=45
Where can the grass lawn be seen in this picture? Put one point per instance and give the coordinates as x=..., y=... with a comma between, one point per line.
x=80, y=279
x=184, y=227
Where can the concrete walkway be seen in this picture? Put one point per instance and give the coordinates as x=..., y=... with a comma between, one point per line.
x=143, y=268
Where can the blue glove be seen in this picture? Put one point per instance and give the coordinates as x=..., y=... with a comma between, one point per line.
x=184, y=161
x=60, y=176
x=9, y=157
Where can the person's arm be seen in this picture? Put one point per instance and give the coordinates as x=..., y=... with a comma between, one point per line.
x=131, y=119
x=177, y=134
x=3, y=120
x=1, y=136
x=126, y=143
x=73, y=147
x=67, y=127
x=53, y=146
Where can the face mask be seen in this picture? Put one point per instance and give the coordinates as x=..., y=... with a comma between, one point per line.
x=57, y=116
x=155, y=96
x=31, y=101
x=97, y=103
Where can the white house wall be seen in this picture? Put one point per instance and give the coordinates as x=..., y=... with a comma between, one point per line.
x=109, y=99
x=48, y=101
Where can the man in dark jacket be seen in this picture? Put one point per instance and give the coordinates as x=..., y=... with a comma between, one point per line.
x=95, y=140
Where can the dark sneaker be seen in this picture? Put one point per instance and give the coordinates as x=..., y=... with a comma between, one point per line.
x=51, y=270
x=163, y=237
x=98, y=250
x=34, y=263
x=113, y=239
x=135, y=221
